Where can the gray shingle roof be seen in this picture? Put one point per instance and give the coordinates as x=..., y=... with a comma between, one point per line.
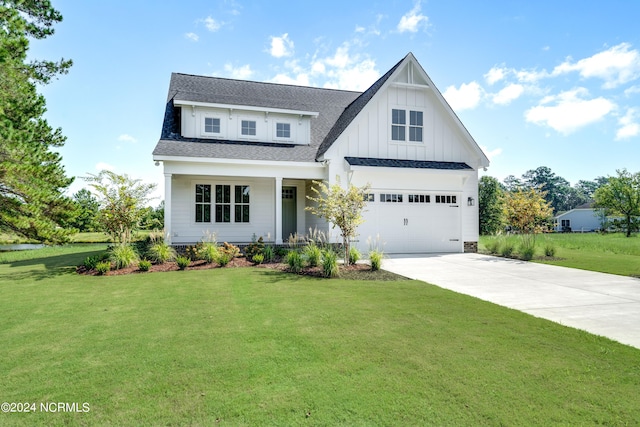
x=329, y=103
x=414, y=164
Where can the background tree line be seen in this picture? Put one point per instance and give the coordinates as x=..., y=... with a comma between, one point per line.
x=616, y=197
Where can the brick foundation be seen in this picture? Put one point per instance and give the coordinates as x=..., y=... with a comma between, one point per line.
x=471, y=247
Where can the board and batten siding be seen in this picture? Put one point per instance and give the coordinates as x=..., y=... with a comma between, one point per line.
x=230, y=124
x=369, y=135
x=186, y=230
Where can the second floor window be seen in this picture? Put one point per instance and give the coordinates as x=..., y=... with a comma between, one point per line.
x=398, y=122
x=248, y=127
x=211, y=125
x=283, y=130
x=415, y=126
x=399, y=125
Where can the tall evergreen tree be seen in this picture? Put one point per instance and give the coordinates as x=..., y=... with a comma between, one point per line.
x=490, y=200
x=32, y=178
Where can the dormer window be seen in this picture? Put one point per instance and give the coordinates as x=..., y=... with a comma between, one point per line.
x=283, y=130
x=248, y=128
x=211, y=125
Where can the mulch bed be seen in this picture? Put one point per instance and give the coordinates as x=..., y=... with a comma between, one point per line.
x=358, y=271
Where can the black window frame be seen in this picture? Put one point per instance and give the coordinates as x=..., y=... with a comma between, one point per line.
x=203, y=203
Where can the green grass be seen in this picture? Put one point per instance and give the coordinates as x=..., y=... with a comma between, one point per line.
x=606, y=253
x=259, y=347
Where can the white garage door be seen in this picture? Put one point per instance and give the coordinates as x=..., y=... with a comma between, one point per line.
x=410, y=223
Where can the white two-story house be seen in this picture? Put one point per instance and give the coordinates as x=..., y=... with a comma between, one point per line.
x=239, y=158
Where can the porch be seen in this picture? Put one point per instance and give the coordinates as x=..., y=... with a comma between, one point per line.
x=239, y=205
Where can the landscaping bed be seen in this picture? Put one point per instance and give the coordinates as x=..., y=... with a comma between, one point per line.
x=359, y=271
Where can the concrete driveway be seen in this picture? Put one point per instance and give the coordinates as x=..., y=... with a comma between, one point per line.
x=603, y=304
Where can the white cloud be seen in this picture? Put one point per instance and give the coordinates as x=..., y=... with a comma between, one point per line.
x=340, y=70
x=632, y=90
x=104, y=166
x=531, y=76
x=281, y=46
x=318, y=67
x=617, y=65
x=192, y=36
x=629, y=126
x=243, y=73
x=301, y=79
x=127, y=138
x=465, y=98
x=495, y=74
x=211, y=24
x=341, y=58
x=354, y=76
x=508, y=94
x=491, y=153
x=569, y=111
x=413, y=20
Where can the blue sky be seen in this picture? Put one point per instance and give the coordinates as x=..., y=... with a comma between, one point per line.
x=543, y=83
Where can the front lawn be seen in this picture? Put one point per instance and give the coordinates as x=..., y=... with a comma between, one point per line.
x=248, y=346
x=607, y=253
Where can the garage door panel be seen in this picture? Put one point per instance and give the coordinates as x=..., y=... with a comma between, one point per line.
x=412, y=227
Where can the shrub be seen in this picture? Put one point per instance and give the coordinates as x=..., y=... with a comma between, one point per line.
x=330, y=264
x=161, y=252
x=354, y=255
x=375, y=256
x=295, y=262
x=123, y=256
x=549, y=250
x=268, y=253
x=527, y=252
x=144, y=265
x=191, y=252
x=258, y=258
x=281, y=251
x=254, y=248
x=317, y=237
x=224, y=258
x=103, y=267
x=507, y=249
x=183, y=262
x=493, y=246
x=90, y=262
x=312, y=253
x=208, y=252
x=230, y=249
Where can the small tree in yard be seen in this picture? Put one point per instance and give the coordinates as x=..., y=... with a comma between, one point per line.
x=527, y=212
x=341, y=207
x=122, y=201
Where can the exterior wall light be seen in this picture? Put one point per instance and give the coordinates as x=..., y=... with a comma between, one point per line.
x=470, y=201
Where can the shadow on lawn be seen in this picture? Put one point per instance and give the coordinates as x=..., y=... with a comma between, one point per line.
x=53, y=266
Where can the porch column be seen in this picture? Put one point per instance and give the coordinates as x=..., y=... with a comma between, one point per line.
x=167, y=207
x=278, y=201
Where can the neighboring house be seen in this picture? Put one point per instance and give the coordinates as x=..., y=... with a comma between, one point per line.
x=239, y=158
x=580, y=219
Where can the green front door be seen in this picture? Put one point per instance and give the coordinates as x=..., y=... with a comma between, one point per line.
x=289, y=214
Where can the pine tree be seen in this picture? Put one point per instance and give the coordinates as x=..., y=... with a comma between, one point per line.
x=32, y=178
